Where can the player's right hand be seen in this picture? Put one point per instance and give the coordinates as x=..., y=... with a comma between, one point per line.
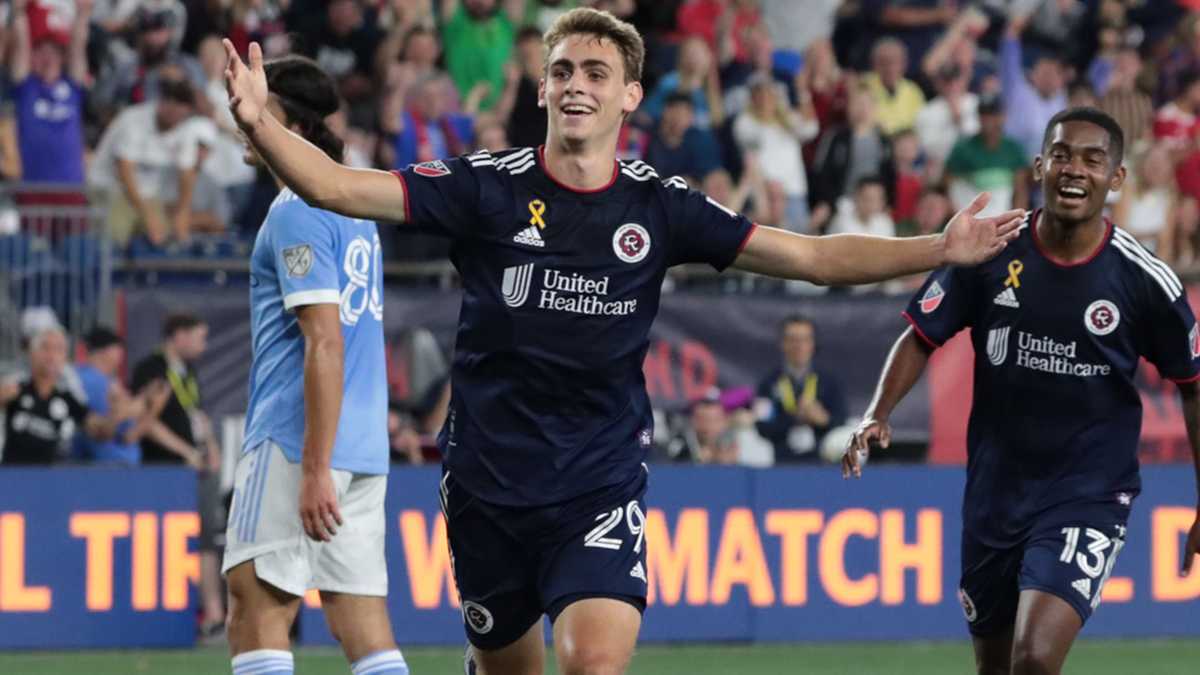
x=247, y=86
x=870, y=430
x=319, y=512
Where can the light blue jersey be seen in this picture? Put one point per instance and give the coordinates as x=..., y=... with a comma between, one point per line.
x=306, y=256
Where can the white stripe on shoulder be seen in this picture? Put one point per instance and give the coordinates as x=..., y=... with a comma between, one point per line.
x=676, y=182
x=481, y=158
x=518, y=157
x=651, y=175
x=1154, y=273
x=1136, y=247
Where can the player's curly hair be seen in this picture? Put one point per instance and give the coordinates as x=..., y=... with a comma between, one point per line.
x=307, y=95
x=588, y=21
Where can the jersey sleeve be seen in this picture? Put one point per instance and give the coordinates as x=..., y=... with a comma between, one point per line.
x=1173, y=339
x=445, y=195
x=703, y=231
x=150, y=369
x=943, y=305
x=303, y=244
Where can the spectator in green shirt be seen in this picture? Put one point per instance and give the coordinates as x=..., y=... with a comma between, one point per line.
x=478, y=40
x=989, y=162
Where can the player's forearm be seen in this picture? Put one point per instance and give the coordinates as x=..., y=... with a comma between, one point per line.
x=1189, y=395
x=323, y=364
x=905, y=363
x=840, y=259
x=322, y=182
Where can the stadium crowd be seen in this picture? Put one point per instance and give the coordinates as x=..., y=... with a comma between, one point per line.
x=818, y=116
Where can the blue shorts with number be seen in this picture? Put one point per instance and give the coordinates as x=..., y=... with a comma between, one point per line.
x=1069, y=556
x=512, y=565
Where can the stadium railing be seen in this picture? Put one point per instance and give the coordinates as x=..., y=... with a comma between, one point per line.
x=55, y=252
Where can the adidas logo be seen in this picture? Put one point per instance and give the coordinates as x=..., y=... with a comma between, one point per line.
x=1007, y=298
x=1084, y=586
x=530, y=237
x=638, y=572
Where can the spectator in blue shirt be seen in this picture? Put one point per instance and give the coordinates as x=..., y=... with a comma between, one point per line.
x=1037, y=97
x=47, y=78
x=108, y=398
x=678, y=147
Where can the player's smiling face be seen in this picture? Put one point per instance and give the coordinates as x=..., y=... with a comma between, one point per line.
x=1076, y=171
x=584, y=90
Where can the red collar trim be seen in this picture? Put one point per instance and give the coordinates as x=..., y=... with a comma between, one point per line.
x=1037, y=242
x=541, y=154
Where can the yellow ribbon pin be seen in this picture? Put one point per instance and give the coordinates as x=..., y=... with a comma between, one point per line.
x=1014, y=274
x=537, y=207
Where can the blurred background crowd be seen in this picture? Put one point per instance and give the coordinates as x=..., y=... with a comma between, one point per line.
x=815, y=115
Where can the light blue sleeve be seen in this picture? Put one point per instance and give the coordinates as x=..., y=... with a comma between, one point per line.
x=304, y=243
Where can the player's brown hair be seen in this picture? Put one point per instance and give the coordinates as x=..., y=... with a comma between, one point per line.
x=601, y=25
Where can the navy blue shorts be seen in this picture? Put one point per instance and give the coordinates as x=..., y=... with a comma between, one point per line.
x=1070, y=558
x=512, y=565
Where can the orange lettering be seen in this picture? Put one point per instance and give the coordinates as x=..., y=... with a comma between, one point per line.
x=832, y=551
x=428, y=560
x=15, y=596
x=924, y=556
x=793, y=527
x=669, y=564
x=180, y=567
x=1167, y=524
x=99, y=530
x=145, y=562
x=740, y=560
x=1117, y=589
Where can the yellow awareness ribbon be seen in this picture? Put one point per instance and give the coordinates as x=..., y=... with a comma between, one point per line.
x=1014, y=274
x=537, y=207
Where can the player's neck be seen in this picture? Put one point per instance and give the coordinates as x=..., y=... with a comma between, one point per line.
x=583, y=168
x=1070, y=242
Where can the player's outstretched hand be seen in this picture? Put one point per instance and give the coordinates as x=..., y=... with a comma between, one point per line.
x=1192, y=550
x=247, y=85
x=319, y=512
x=971, y=240
x=870, y=430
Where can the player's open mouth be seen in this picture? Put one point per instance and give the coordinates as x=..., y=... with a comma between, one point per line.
x=576, y=110
x=1071, y=194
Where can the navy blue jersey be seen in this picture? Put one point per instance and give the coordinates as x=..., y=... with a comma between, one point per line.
x=1056, y=416
x=559, y=290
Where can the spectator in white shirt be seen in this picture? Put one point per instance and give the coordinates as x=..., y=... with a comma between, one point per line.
x=147, y=165
x=866, y=212
x=952, y=115
x=775, y=132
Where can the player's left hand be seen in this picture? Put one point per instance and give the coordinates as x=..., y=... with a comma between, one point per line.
x=970, y=240
x=1192, y=550
x=319, y=512
x=247, y=85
